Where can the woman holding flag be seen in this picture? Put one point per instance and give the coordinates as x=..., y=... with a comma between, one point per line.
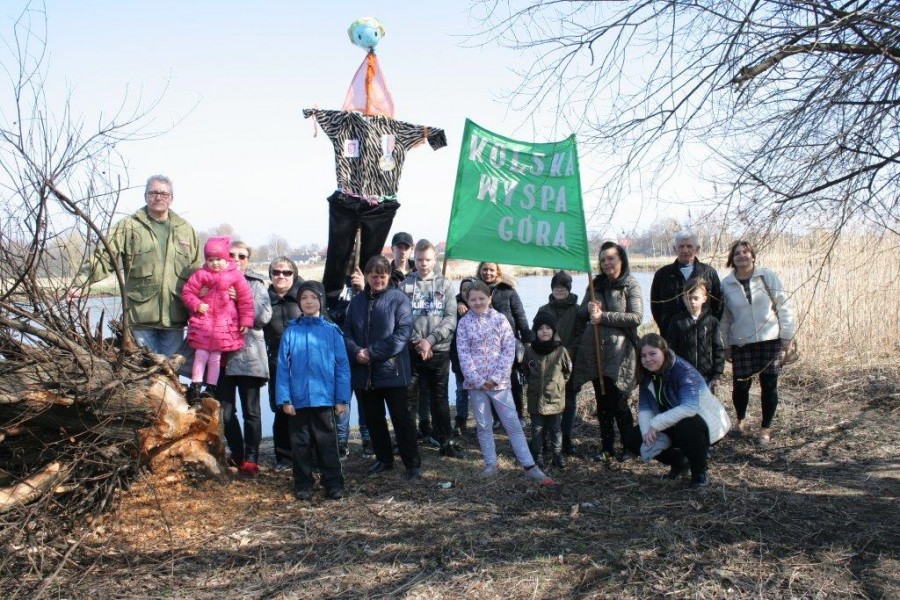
x=615, y=308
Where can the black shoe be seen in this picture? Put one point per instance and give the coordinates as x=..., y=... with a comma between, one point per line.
x=413, y=474
x=568, y=447
x=497, y=425
x=367, y=451
x=193, y=394
x=677, y=469
x=379, y=467
x=303, y=495
x=460, y=429
x=343, y=451
x=604, y=457
x=700, y=480
x=559, y=460
x=625, y=456
x=452, y=450
x=209, y=392
x=335, y=494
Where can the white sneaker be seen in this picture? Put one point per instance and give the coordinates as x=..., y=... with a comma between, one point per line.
x=489, y=470
x=536, y=474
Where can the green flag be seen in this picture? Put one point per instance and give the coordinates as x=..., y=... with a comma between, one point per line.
x=518, y=203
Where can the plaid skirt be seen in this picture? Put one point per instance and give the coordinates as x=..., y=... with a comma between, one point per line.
x=760, y=358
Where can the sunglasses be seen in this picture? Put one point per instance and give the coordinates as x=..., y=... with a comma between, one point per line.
x=239, y=256
x=276, y=272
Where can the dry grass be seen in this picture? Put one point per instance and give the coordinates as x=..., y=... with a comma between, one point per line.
x=814, y=515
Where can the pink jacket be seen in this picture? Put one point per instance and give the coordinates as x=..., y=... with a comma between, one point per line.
x=487, y=347
x=219, y=328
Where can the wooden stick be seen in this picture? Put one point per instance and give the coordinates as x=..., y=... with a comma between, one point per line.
x=596, y=337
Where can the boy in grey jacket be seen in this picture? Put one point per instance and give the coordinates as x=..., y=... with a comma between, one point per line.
x=434, y=315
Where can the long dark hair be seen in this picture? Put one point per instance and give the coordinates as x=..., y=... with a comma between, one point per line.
x=656, y=341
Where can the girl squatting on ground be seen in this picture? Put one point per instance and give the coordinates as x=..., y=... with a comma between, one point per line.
x=313, y=385
x=217, y=323
x=487, y=348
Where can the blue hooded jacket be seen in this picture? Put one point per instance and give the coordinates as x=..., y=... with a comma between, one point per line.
x=313, y=370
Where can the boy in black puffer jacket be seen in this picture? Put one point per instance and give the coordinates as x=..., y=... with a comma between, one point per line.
x=695, y=336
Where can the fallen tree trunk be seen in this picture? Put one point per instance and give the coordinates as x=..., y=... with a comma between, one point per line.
x=114, y=421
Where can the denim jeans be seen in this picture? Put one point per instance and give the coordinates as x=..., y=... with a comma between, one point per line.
x=160, y=341
x=343, y=425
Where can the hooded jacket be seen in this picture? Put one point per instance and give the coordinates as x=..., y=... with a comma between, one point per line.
x=382, y=323
x=252, y=360
x=153, y=278
x=487, y=348
x=622, y=313
x=699, y=342
x=285, y=309
x=678, y=394
x=569, y=325
x=313, y=370
x=547, y=375
x=219, y=328
x=433, y=308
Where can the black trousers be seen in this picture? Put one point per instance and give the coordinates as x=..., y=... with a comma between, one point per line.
x=244, y=444
x=551, y=424
x=429, y=386
x=345, y=214
x=373, y=403
x=740, y=396
x=568, y=414
x=280, y=434
x=690, y=439
x=612, y=412
x=315, y=427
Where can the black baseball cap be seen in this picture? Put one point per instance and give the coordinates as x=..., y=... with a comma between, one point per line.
x=401, y=237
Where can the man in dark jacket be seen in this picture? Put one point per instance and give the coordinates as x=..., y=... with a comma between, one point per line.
x=667, y=288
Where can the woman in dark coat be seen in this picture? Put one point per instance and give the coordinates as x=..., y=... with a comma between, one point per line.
x=377, y=329
x=283, y=298
x=505, y=300
x=618, y=310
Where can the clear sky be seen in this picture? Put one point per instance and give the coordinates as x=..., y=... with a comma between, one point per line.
x=231, y=79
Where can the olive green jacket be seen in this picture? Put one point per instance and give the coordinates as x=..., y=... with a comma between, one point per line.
x=153, y=281
x=547, y=375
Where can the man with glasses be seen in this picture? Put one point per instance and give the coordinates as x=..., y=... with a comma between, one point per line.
x=157, y=251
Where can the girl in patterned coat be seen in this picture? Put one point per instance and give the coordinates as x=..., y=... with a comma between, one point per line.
x=217, y=323
x=487, y=347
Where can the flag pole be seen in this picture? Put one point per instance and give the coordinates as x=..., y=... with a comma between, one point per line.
x=596, y=336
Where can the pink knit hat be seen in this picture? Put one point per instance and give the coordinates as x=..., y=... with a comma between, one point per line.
x=217, y=247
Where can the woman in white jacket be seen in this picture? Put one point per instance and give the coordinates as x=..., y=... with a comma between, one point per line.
x=757, y=326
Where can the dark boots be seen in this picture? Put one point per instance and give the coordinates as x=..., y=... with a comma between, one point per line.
x=193, y=394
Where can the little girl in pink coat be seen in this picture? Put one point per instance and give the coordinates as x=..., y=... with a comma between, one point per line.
x=218, y=320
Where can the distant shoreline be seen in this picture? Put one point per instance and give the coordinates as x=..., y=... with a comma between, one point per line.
x=456, y=269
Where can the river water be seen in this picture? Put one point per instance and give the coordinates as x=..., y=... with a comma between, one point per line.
x=533, y=290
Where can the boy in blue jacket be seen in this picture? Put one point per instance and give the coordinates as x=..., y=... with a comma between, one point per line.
x=312, y=387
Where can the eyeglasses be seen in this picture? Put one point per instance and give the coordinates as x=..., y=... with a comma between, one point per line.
x=238, y=256
x=276, y=272
x=157, y=194
x=560, y=288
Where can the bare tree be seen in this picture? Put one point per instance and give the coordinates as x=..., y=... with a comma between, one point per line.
x=71, y=399
x=791, y=108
